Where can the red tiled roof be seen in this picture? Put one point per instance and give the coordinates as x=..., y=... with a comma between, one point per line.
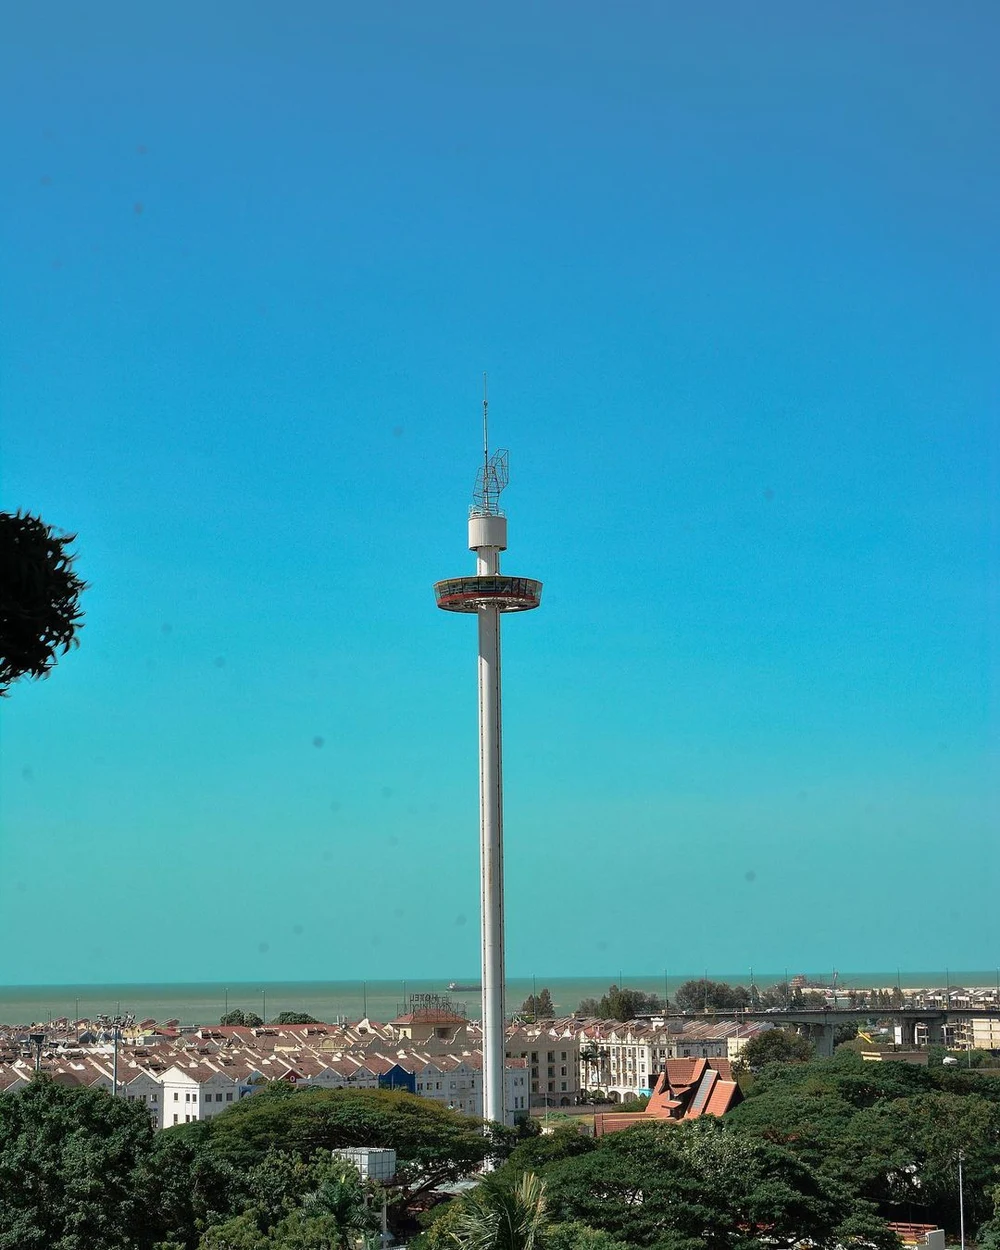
x=686, y=1089
x=722, y=1098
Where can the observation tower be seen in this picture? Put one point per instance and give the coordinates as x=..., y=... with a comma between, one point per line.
x=487, y=594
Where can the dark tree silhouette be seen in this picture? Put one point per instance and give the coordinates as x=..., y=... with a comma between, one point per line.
x=39, y=597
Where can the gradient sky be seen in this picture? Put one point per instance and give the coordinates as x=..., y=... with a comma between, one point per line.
x=732, y=270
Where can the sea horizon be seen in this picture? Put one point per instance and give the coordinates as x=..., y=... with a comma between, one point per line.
x=204, y=1002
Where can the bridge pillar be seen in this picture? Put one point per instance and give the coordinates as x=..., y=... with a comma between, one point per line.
x=908, y=1032
x=822, y=1038
x=820, y=1035
x=935, y=1031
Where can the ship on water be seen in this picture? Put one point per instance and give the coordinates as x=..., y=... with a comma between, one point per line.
x=456, y=987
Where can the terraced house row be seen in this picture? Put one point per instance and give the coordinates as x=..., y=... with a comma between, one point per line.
x=184, y=1075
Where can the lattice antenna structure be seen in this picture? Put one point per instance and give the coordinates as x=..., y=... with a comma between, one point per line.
x=494, y=475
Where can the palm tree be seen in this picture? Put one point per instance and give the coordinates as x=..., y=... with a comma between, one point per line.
x=500, y=1216
x=344, y=1197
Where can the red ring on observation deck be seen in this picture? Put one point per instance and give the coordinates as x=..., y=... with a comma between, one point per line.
x=469, y=594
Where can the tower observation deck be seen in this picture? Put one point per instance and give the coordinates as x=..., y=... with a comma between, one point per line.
x=487, y=594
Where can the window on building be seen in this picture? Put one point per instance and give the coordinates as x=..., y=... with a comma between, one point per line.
x=175, y=1119
x=552, y=1056
x=552, y=1087
x=218, y=1098
x=563, y=1086
x=176, y=1095
x=187, y=1119
x=187, y=1097
x=534, y=1056
x=562, y=1071
x=552, y=1071
x=562, y=1055
x=229, y=1098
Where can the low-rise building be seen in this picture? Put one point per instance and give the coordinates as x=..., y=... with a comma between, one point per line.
x=197, y=1092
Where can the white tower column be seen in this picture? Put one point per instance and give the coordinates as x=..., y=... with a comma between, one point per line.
x=491, y=841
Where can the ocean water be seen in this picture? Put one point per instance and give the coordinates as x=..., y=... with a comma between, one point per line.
x=205, y=1002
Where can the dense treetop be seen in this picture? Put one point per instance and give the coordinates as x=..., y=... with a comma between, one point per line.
x=821, y=1150
x=620, y=1004
x=40, y=592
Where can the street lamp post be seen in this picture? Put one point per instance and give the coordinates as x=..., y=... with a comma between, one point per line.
x=116, y=1035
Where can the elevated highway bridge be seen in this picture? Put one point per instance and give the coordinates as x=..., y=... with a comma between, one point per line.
x=820, y=1024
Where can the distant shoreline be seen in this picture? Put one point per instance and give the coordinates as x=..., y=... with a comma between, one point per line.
x=204, y=1002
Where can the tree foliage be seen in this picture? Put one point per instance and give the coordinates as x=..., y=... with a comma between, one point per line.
x=244, y=1019
x=541, y=1008
x=823, y=1151
x=620, y=1004
x=295, y=1017
x=503, y=1215
x=434, y=1144
x=537, y=1152
x=775, y=1046
x=696, y=1183
x=73, y=1170
x=705, y=995
x=891, y=1130
x=40, y=612
x=80, y=1169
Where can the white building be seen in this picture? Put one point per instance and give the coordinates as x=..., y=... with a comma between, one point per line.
x=138, y=1085
x=551, y=1063
x=457, y=1082
x=196, y=1093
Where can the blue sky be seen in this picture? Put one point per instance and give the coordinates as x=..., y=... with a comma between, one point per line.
x=733, y=274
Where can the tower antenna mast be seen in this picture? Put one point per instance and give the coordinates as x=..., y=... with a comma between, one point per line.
x=486, y=432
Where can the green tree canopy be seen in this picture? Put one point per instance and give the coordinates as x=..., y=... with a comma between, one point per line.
x=74, y=1170
x=534, y=1153
x=542, y=1007
x=890, y=1130
x=294, y=1017
x=697, y=1183
x=620, y=1004
x=705, y=995
x=245, y=1019
x=433, y=1143
x=775, y=1046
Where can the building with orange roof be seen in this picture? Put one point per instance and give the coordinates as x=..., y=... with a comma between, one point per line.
x=685, y=1090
